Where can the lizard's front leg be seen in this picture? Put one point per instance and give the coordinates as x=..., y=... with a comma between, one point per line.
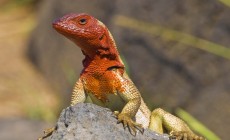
x=78, y=96
x=176, y=127
x=131, y=95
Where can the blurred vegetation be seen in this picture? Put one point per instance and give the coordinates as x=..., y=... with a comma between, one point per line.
x=226, y=2
x=6, y=5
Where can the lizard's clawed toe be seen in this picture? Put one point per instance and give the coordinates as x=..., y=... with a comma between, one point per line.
x=128, y=122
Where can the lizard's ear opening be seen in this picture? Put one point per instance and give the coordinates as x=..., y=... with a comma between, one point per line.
x=101, y=37
x=103, y=41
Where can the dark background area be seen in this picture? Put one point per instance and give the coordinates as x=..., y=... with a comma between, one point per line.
x=168, y=72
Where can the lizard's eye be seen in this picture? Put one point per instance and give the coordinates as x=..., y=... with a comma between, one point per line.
x=82, y=21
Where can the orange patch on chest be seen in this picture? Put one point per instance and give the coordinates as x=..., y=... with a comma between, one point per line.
x=101, y=84
x=100, y=81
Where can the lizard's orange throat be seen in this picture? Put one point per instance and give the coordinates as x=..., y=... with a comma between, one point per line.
x=100, y=81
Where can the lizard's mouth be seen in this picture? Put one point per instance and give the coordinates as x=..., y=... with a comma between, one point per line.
x=63, y=28
x=59, y=25
x=59, y=28
x=55, y=25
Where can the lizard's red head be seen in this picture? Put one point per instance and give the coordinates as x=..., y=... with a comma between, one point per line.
x=88, y=33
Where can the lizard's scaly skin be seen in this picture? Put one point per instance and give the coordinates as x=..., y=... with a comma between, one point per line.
x=105, y=81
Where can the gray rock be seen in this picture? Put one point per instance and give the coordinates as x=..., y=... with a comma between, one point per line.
x=91, y=122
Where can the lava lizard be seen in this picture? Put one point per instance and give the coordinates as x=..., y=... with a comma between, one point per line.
x=104, y=80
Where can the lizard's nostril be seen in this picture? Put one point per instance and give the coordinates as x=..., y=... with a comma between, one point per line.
x=56, y=22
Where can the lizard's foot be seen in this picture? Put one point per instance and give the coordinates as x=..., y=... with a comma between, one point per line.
x=48, y=132
x=128, y=122
x=184, y=135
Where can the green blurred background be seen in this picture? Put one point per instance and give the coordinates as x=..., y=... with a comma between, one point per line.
x=177, y=53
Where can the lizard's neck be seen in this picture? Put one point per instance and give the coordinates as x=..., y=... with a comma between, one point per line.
x=100, y=64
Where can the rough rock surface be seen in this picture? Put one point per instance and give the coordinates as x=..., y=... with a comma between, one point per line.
x=89, y=121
